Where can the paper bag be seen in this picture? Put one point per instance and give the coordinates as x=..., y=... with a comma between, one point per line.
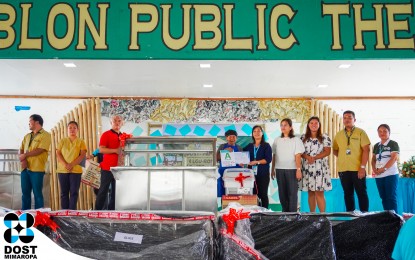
x=91, y=174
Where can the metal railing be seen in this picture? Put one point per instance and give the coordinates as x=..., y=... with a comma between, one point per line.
x=9, y=160
x=10, y=192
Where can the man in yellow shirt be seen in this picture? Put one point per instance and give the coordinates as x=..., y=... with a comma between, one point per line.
x=33, y=157
x=351, y=146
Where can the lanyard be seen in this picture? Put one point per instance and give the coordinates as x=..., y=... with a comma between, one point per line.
x=348, y=136
x=256, y=151
x=381, y=146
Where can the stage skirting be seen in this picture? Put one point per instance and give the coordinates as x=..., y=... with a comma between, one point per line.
x=335, y=197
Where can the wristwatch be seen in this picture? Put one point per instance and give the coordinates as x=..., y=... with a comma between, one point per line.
x=385, y=169
x=362, y=166
x=257, y=163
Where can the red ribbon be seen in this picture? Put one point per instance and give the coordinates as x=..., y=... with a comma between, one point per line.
x=240, y=178
x=232, y=217
x=124, y=137
x=43, y=219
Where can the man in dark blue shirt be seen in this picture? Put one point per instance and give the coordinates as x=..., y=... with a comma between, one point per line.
x=231, y=146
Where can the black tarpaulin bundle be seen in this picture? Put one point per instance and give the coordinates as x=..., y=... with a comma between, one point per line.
x=311, y=236
x=235, y=241
x=293, y=236
x=281, y=236
x=371, y=236
x=179, y=238
x=264, y=235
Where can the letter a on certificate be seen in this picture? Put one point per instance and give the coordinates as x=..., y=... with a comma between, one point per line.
x=227, y=158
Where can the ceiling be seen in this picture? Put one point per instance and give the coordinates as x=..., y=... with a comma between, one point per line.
x=185, y=78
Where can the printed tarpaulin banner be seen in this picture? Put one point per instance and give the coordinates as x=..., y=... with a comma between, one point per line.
x=216, y=29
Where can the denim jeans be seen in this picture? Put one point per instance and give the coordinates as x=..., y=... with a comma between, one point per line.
x=31, y=181
x=388, y=191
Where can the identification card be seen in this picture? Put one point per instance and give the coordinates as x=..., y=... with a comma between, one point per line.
x=348, y=151
x=255, y=169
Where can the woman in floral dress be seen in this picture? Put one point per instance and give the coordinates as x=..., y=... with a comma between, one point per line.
x=316, y=172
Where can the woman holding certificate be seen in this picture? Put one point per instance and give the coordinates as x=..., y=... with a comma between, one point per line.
x=260, y=154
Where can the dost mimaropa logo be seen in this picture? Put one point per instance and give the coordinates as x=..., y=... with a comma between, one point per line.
x=19, y=228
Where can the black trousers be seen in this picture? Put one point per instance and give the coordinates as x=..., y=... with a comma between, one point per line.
x=350, y=183
x=107, y=179
x=261, y=189
x=69, y=183
x=287, y=189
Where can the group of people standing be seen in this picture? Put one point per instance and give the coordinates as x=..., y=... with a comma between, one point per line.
x=298, y=163
x=301, y=163
x=70, y=152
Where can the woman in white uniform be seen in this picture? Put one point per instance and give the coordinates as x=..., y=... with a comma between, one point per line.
x=286, y=160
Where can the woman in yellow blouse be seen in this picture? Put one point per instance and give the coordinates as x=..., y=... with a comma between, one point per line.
x=70, y=152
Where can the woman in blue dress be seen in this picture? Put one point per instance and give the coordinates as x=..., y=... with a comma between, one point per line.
x=260, y=154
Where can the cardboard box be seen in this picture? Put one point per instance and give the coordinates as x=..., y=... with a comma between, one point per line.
x=92, y=174
x=239, y=191
x=251, y=200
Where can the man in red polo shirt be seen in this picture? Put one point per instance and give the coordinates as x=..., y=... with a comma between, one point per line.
x=109, y=146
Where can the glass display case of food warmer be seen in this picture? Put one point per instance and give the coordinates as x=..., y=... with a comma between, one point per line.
x=10, y=187
x=167, y=173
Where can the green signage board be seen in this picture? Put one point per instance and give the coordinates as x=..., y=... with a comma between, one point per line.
x=234, y=30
